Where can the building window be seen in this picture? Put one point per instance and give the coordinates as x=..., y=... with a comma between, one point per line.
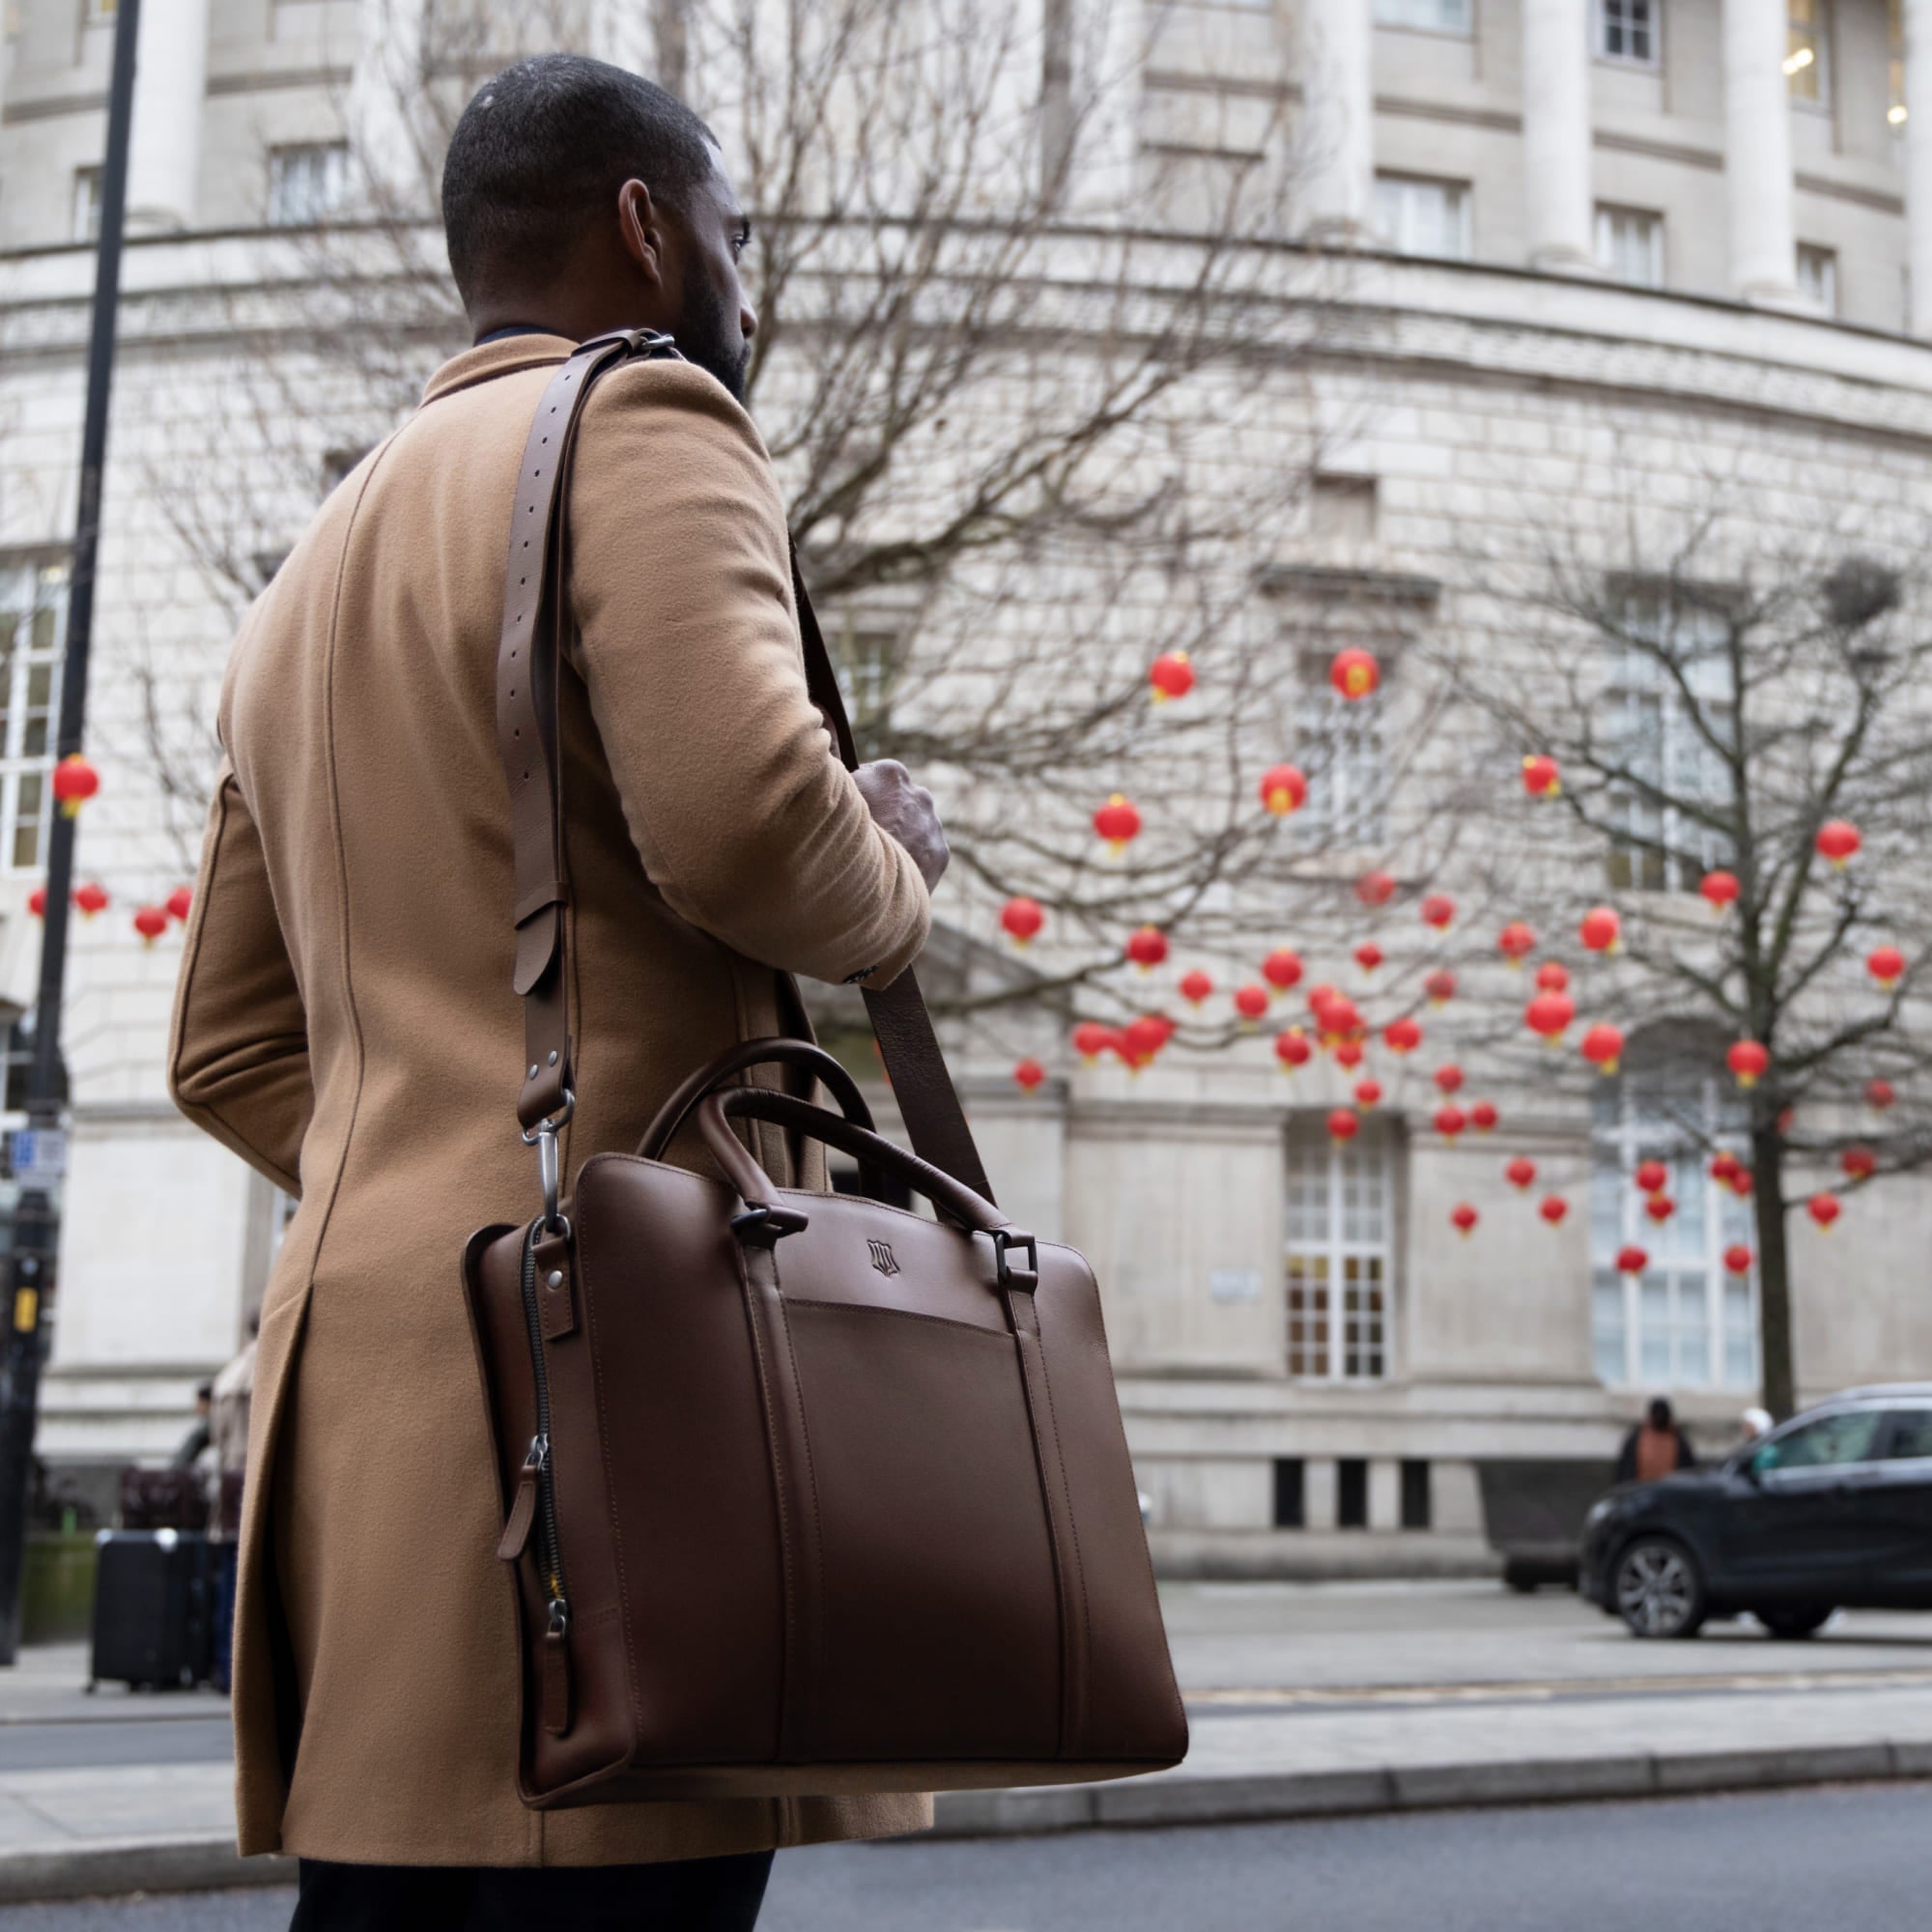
x=1417, y=1511
x=33, y=632
x=1415, y=215
x=1340, y=746
x=1627, y=31
x=1630, y=245
x=1667, y=719
x=306, y=183
x=1685, y=1321
x=1818, y=276
x=86, y=223
x=1290, y=1508
x=1808, y=52
x=1435, y=17
x=1352, y=1492
x=1338, y=1259
x=1342, y=512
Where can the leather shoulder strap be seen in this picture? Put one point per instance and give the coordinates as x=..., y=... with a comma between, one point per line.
x=528, y=657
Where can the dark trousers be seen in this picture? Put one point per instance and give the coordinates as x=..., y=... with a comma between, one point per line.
x=690, y=1895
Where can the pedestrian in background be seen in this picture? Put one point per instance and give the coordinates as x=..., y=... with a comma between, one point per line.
x=1755, y=1423
x=1656, y=1447
x=196, y=1440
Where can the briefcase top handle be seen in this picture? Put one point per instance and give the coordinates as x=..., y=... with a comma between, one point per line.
x=528, y=659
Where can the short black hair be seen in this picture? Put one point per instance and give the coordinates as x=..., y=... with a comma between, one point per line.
x=545, y=145
x=1662, y=1415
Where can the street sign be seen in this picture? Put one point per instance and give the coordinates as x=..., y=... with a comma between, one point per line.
x=38, y=1155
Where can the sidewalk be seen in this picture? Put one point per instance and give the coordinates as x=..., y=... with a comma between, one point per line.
x=1305, y=1700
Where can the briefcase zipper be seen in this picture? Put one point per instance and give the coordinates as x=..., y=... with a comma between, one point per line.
x=539, y=1465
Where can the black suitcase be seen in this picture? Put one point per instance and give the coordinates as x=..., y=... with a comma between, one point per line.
x=154, y=1609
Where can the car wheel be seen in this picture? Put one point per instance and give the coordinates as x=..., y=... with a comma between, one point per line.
x=1790, y=1621
x=1657, y=1589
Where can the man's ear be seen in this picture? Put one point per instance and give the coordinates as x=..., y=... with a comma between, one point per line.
x=641, y=229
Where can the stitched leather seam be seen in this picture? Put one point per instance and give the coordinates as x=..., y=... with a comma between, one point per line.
x=816, y=1632
x=1066, y=1502
x=999, y=1335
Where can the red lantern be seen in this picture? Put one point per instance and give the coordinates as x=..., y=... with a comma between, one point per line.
x=1195, y=986
x=91, y=898
x=1540, y=775
x=1552, y=1208
x=1339, y=1018
x=1169, y=675
x=1143, y=1039
x=1450, y=1121
x=1118, y=823
x=1028, y=1074
x=1837, y=840
x=1604, y=1046
x=1860, y=1163
x=1742, y=1181
x=1319, y=996
x=1441, y=987
x=1090, y=1039
x=1282, y=969
x=179, y=902
x=1402, y=1036
x=1552, y=977
x=36, y=902
x=1375, y=889
x=1483, y=1116
x=1449, y=1077
x=1147, y=946
x=1631, y=1260
x=1367, y=955
x=1438, y=909
x=1514, y=940
x=1343, y=1125
x=1021, y=919
x=1251, y=1002
x=1660, y=1208
x=1463, y=1217
x=1601, y=930
x=1724, y=1166
x=1887, y=965
x=1748, y=1060
x=75, y=781
x=1737, y=1259
x=1520, y=1172
x=1292, y=1050
x=1368, y=1093
x=1349, y=1054
x=1880, y=1094
x=1549, y=1015
x=1284, y=789
x=1354, y=673
x=1652, y=1175
x=1719, y=890
x=151, y=922
x=1823, y=1208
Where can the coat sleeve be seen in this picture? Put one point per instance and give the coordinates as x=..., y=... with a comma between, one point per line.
x=238, y=1050
x=686, y=640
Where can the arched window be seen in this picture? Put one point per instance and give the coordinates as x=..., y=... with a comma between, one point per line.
x=1685, y=1322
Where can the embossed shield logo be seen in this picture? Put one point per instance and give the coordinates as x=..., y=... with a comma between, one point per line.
x=882, y=1258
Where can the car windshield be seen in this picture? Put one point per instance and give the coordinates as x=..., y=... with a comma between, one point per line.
x=1844, y=1437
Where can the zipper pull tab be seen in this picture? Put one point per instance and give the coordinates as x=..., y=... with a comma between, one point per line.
x=524, y=1507
x=554, y=1696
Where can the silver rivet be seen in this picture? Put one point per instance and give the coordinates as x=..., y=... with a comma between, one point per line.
x=555, y=1278
x=533, y=1069
x=552, y=1059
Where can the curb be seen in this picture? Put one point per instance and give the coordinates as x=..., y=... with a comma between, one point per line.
x=1169, y=1798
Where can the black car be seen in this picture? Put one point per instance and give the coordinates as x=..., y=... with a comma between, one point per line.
x=1833, y=1510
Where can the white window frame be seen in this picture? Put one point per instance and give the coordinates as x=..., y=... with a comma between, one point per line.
x=1809, y=83
x=1617, y=221
x=1630, y=17
x=308, y=181
x=1399, y=236
x=1665, y=1113
x=1454, y=19
x=26, y=796
x=1356, y=1341
x=1340, y=747
x=1818, y=276
x=84, y=214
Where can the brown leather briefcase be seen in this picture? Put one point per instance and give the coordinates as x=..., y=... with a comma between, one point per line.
x=802, y=1493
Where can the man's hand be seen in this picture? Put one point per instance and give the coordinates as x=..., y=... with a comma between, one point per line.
x=907, y=811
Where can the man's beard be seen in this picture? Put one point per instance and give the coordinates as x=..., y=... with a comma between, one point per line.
x=710, y=337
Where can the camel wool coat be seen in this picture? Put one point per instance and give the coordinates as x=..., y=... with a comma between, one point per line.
x=345, y=1023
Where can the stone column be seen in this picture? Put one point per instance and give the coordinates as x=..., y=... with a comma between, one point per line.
x=1757, y=151
x=1556, y=132
x=1335, y=175
x=1918, y=161
x=164, y=144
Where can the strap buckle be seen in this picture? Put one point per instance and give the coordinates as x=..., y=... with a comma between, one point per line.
x=1005, y=1238
x=550, y=1163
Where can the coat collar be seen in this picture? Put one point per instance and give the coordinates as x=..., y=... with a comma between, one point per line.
x=490, y=360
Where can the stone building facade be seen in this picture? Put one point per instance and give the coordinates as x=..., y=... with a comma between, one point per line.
x=1593, y=245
